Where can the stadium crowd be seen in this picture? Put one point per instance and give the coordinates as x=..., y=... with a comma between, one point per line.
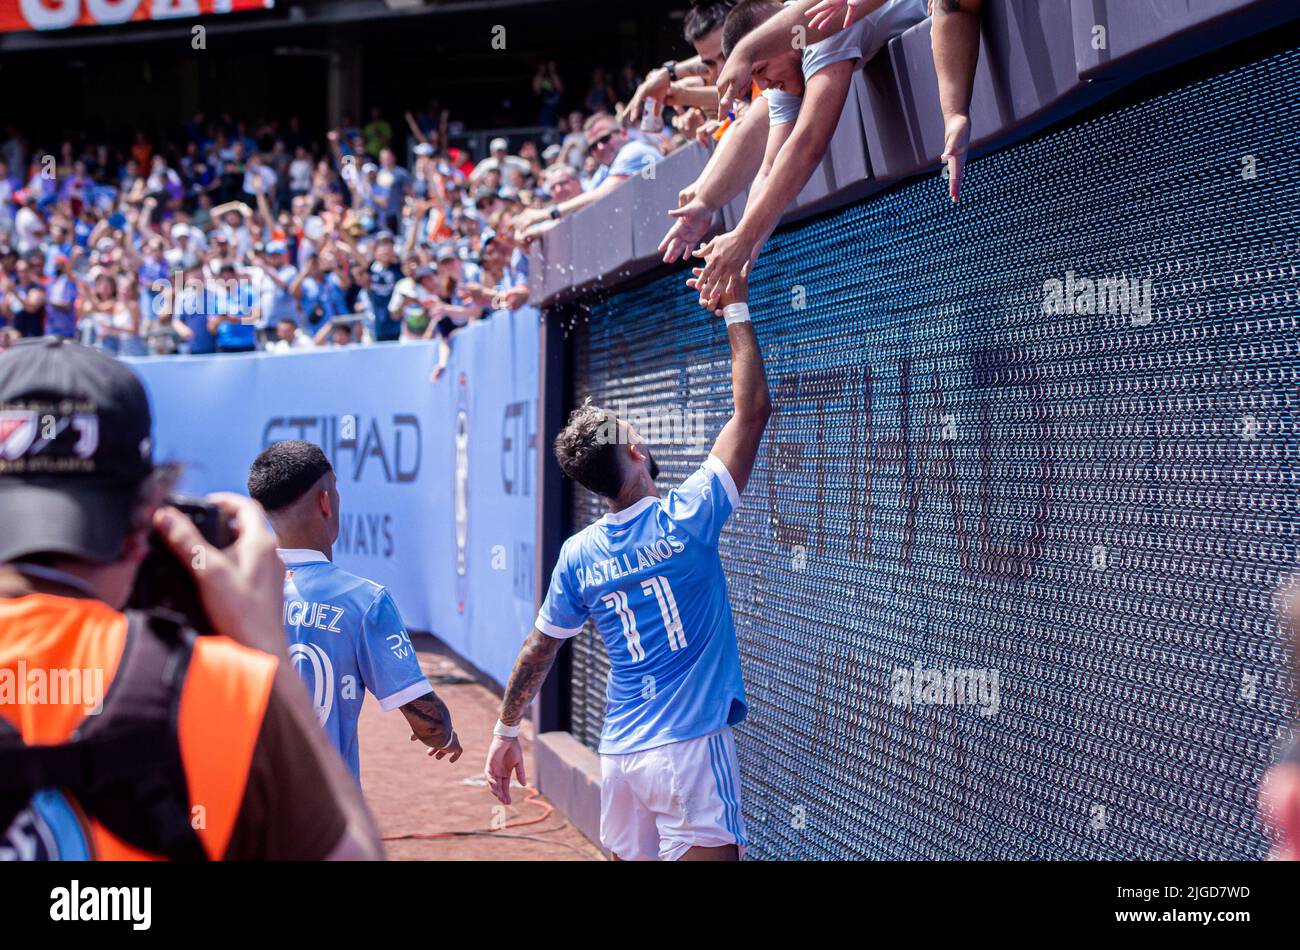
x=231, y=236
x=243, y=238
x=235, y=237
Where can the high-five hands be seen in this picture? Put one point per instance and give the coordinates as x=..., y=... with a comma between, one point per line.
x=737, y=291
x=691, y=222
x=728, y=259
x=733, y=81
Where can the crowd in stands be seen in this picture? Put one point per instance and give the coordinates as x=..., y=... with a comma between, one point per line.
x=236, y=236
x=232, y=236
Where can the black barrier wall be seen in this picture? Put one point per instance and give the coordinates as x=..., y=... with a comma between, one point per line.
x=1004, y=578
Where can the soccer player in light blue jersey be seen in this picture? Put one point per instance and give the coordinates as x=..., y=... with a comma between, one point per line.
x=345, y=634
x=649, y=574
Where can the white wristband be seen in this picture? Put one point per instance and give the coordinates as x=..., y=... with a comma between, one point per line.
x=736, y=313
x=504, y=731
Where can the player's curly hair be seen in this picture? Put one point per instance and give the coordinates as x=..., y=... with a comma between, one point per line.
x=587, y=450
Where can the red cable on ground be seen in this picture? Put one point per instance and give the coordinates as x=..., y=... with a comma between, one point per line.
x=534, y=798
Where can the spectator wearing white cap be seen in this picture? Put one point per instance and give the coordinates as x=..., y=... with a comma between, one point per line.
x=573, y=147
x=511, y=168
x=391, y=184
x=300, y=172
x=185, y=248
x=271, y=276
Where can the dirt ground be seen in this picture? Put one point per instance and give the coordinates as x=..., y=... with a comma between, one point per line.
x=412, y=794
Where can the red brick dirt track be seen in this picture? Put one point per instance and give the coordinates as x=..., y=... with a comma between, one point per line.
x=413, y=794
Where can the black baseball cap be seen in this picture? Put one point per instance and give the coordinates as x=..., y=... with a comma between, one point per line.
x=75, y=447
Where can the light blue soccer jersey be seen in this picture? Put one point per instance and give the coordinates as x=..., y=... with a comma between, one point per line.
x=651, y=578
x=346, y=637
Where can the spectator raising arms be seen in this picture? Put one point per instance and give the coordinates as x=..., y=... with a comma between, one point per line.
x=805, y=92
x=230, y=235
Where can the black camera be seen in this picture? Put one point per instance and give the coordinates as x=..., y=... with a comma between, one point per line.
x=165, y=587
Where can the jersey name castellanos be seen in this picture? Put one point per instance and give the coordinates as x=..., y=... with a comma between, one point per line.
x=345, y=637
x=651, y=578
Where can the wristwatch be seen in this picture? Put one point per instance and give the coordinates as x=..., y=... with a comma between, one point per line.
x=671, y=66
x=555, y=212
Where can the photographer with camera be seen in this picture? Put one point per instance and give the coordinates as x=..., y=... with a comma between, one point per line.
x=123, y=733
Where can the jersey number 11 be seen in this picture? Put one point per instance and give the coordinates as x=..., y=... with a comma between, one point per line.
x=659, y=588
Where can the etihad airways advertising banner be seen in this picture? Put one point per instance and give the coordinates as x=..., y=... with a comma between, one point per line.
x=436, y=480
x=21, y=15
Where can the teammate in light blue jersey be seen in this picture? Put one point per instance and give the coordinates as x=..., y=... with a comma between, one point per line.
x=345, y=633
x=649, y=575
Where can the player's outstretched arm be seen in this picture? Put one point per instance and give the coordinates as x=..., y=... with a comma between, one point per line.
x=505, y=756
x=430, y=721
x=737, y=444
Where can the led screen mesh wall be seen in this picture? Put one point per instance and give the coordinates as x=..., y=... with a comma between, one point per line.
x=1004, y=578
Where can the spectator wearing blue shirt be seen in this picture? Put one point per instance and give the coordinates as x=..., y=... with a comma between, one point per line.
x=9, y=186
x=155, y=276
x=620, y=158
x=272, y=276
x=61, y=302
x=234, y=310
x=388, y=192
x=194, y=307
x=25, y=306
x=321, y=289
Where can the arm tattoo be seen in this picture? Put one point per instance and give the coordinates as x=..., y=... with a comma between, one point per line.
x=526, y=678
x=430, y=720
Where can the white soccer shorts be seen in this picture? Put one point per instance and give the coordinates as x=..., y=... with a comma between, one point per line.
x=660, y=803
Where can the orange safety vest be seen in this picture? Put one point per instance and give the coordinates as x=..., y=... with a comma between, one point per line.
x=122, y=737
